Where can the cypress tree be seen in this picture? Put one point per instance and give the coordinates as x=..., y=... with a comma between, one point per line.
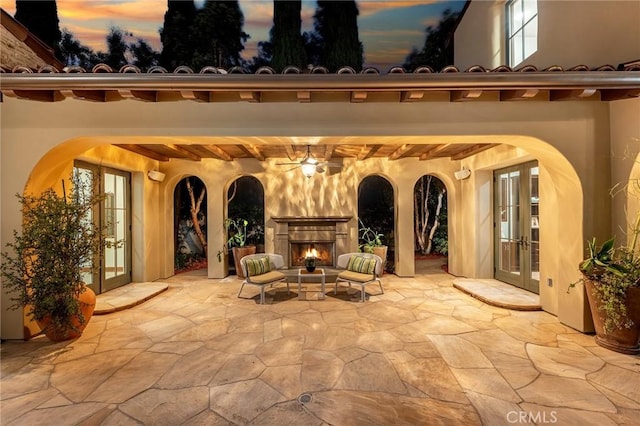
x=287, y=42
x=219, y=36
x=41, y=18
x=437, y=51
x=176, y=34
x=336, y=24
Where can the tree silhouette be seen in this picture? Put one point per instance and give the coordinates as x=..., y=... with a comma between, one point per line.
x=287, y=42
x=176, y=34
x=218, y=33
x=144, y=57
x=438, y=46
x=117, y=48
x=74, y=53
x=41, y=18
x=336, y=24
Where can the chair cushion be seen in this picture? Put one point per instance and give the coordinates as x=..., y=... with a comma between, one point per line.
x=355, y=276
x=258, y=265
x=361, y=264
x=266, y=278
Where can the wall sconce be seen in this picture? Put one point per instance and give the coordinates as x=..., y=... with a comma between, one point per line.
x=155, y=175
x=462, y=174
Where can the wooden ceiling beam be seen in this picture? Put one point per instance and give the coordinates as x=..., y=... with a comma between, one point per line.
x=218, y=152
x=181, y=150
x=145, y=152
x=475, y=149
x=367, y=151
x=255, y=151
x=291, y=152
x=400, y=151
x=328, y=152
x=432, y=153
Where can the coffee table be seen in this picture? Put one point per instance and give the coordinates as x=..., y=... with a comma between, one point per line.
x=305, y=276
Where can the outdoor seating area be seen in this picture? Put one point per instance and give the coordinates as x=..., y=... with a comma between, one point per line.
x=423, y=352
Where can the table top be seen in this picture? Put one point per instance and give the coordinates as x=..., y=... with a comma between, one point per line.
x=317, y=271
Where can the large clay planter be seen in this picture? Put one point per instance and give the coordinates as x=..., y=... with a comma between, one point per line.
x=623, y=340
x=239, y=253
x=87, y=301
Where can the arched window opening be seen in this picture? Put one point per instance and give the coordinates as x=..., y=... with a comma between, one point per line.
x=376, y=217
x=190, y=225
x=430, y=222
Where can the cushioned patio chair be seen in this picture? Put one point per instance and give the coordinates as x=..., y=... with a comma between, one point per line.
x=360, y=269
x=262, y=270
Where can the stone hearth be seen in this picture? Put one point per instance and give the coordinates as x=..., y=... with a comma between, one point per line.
x=328, y=234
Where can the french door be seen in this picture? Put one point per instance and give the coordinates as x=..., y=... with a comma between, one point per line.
x=517, y=226
x=114, y=216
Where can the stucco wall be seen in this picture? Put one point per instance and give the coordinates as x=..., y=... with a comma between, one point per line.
x=569, y=139
x=570, y=33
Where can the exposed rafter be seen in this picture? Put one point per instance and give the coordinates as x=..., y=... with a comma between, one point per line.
x=141, y=150
x=218, y=152
x=400, y=151
x=468, y=152
x=432, y=153
x=367, y=151
x=291, y=152
x=255, y=151
x=183, y=150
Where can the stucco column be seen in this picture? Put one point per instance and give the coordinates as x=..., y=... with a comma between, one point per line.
x=405, y=263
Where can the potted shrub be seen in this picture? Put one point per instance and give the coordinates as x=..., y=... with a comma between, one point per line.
x=237, y=240
x=372, y=243
x=43, y=269
x=611, y=276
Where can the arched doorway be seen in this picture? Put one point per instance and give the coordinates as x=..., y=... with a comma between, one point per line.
x=430, y=223
x=245, y=201
x=376, y=216
x=190, y=225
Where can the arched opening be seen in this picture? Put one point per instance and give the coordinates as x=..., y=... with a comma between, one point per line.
x=245, y=202
x=430, y=224
x=376, y=219
x=190, y=225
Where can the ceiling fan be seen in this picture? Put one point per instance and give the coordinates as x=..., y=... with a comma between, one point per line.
x=309, y=164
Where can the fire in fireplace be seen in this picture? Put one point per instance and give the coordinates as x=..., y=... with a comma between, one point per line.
x=324, y=252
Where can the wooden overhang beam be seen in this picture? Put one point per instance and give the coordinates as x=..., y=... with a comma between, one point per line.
x=367, y=151
x=563, y=95
x=432, y=153
x=145, y=152
x=218, y=152
x=403, y=149
x=255, y=151
x=514, y=95
x=462, y=85
x=328, y=152
x=468, y=152
x=180, y=150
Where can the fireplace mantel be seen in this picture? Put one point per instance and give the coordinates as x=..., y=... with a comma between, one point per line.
x=306, y=219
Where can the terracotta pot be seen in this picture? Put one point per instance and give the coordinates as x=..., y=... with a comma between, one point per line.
x=87, y=301
x=239, y=253
x=623, y=340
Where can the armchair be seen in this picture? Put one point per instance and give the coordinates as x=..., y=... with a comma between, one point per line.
x=360, y=269
x=261, y=270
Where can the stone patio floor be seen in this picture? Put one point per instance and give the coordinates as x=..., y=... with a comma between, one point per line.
x=422, y=353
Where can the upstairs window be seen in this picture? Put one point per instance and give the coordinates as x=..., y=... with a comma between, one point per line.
x=522, y=30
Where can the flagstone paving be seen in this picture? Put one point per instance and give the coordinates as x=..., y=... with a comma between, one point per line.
x=421, y=353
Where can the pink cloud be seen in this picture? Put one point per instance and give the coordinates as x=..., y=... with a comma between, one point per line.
x=372, y=7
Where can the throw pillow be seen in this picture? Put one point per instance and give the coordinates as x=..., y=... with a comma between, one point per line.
x=361, y=264
x=258, y=265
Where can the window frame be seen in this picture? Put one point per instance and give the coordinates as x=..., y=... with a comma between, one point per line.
x=509, y=35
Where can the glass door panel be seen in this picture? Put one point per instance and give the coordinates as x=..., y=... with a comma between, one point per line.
x=116, y=206
x=516, y=202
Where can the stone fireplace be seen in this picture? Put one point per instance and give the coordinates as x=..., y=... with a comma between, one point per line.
x=295, y=235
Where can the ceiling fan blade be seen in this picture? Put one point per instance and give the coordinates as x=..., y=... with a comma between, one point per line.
x=293, y=168
x=287, y=164
x=325, y=164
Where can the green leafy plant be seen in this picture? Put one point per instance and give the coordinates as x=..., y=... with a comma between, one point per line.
x=236, y=234
x=369, y=238
x=57, y=244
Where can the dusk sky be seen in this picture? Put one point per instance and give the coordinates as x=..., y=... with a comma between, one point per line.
x=388, y=29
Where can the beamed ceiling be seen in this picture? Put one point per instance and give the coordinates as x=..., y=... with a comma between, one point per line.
x=213, y=85
x=326, y=152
